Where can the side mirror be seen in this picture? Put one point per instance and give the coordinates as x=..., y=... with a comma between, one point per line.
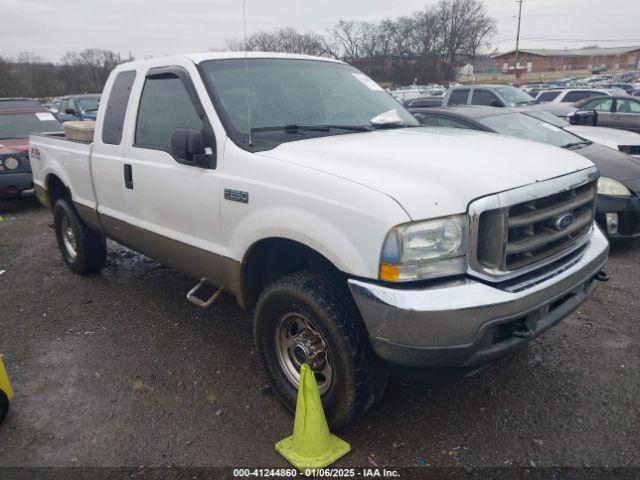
x=421, y=117
x=187, y=146
x=584, y=117
x=70, y=111
x=496, y=103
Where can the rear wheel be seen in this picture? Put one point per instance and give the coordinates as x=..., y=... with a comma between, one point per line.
x=83, y=250
x=307, y=318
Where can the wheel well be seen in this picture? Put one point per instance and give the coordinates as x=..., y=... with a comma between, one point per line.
x=56, y=190
x=273, y=258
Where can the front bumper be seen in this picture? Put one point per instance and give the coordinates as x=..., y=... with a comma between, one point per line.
x=13, y=184
x=468, y=323
x=628, y=213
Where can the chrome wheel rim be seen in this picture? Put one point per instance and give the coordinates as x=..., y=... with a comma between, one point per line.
x=69, y=237
x=298, y=342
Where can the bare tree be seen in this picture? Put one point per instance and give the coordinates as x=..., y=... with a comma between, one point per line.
x=286, y=40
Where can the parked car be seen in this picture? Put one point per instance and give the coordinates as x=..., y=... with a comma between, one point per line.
x=572, y=95
x=431, y=101
x=53, y=105
x=615, y=111
x=405, y=95
x=618, y=206
x=359, y=239
x=78, y=107
x=490, y=95
x=19, y=119
x=11, y=104
x=627, y=87
x=623, y=140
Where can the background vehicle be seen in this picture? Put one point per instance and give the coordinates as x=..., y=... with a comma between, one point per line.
x=627, y=87
x=19, y=104
x=615, y=111
x=623, y=140
x=619, y=187
x=489, y=95
x=300, y=186
x=572, y=95
x=19, y=119
x=78, y=107
x=422, y=102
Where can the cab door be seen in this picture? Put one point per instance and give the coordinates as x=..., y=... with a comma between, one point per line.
x=173, y=202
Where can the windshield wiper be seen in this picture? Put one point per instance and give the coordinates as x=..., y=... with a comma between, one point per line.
x=294, y=128
x=571, y=145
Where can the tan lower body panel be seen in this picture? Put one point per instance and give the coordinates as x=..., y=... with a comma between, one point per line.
x=193, y=261
x=89, y=216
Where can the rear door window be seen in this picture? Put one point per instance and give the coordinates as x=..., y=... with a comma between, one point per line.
x=459, y=97
x=548, y=96
x=579, y=95
x=117, y=108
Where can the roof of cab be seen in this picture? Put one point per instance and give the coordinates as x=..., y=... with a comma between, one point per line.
x=198, y=58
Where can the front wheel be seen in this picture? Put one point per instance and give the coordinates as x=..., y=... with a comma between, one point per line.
x=307, y=318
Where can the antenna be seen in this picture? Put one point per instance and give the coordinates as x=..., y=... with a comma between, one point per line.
x=246, y=68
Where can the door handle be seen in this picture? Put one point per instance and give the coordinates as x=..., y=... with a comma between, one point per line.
x=128, y=176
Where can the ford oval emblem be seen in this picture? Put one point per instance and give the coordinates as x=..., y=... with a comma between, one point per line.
x=564, y=221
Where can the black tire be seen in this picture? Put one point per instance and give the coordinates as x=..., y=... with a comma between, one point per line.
x=90, y=247
x=359, y=378
x=4, y=405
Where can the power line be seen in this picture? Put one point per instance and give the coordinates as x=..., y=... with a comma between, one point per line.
x=519, y=2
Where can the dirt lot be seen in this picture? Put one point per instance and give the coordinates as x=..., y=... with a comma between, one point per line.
x=120, y=370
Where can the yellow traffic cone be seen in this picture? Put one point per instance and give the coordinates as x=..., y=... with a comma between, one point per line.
x=5, y=385
x=311, y=445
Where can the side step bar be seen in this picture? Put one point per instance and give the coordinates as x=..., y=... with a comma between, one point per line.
x=205, y=293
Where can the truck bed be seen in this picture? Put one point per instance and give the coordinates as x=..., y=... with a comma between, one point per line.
x=70, y=159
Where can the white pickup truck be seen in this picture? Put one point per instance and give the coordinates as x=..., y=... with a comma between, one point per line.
x=299, y=186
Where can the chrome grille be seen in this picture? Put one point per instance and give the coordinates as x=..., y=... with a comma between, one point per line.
x=520, y=230
x=534, y=227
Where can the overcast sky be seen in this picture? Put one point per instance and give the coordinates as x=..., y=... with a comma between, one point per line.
x=49, y=28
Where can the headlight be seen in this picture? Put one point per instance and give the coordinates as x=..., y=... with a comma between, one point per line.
x=11, y=163
x=421, y=250
x=609, y=186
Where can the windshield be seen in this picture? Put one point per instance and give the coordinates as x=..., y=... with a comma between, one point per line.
x=89, y=104
x=515, y=96
x=524, y=126
x=547, y=117
x=285, y=92
x=21, y=125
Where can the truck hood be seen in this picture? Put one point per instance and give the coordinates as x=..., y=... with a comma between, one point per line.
x=432, y=171
x=17, y=146
x=611, y=137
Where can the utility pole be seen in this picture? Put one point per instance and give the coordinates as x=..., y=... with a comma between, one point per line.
x=519, y=2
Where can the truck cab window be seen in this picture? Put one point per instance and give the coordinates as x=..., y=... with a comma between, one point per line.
x=164, y=106
x=117, y=108
x=459, y=97
x=484, y=97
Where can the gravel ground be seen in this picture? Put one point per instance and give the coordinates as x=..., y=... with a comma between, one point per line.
x=119, y=369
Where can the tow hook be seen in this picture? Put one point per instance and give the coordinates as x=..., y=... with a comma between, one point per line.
x=602, y=276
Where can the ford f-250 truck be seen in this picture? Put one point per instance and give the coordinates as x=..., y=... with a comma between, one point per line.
x=301, y=187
